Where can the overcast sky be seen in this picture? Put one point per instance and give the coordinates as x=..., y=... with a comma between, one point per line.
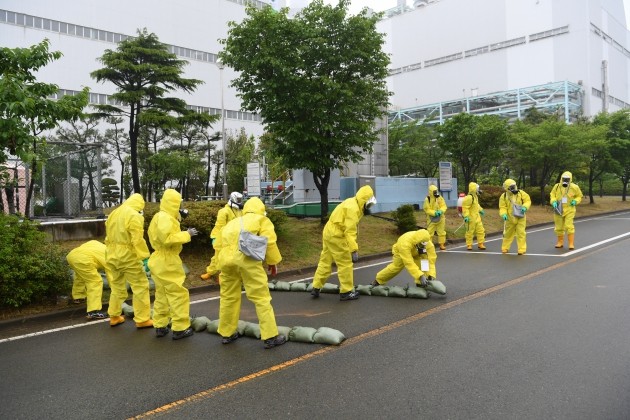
x=380, y=5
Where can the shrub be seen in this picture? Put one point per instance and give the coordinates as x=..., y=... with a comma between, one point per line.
x=534, y=194
x=278, y=218
x=405, y=218
x=489, y=199
x=31, y=269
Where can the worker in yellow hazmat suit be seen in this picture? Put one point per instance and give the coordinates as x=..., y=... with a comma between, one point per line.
x=564, y=196
x=229, y=212
x=126, y=248
x=340, y=243
x=86, y=261
x=415, y=252
x=472, y=212
x=513, y=204
x=435, y=208
x=167, y=239
x=238, y=268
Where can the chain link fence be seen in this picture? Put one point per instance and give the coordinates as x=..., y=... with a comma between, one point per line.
x=13, y=187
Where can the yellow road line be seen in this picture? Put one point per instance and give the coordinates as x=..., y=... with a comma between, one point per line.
x=354, y=340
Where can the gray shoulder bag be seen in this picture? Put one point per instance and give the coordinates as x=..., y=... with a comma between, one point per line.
x=253, y=246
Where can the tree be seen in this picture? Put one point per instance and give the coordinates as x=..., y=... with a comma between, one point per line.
x=143, y=71
x=111, y=191
x=114, y=139
x=413, y=149
x=473, y=141
x=25, y=108
x=596, y=149
x=317, y=80
x=619, y=135
x=239, y=151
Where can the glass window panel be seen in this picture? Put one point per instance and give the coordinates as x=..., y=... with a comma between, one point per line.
x=63, y=27
x=102, y=99
x=10, y=17
x=46, y=24
x=29, y=21
x=94, y=34
x=19, y=19
x=102, y=35
x=38, y=22
x=93, y=98
x=72, y=29
x=55, y=25
x=117, y=37
x=110, y=37
x=3, y=15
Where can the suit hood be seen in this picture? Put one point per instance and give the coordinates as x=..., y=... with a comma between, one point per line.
x=171, y=201
x=136, y=202
x=254, y=205
x=363, y=195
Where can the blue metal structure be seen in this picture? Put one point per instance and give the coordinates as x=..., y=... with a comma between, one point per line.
x=559, y=97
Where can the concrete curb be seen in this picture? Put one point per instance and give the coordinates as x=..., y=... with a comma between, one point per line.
x=79, y=310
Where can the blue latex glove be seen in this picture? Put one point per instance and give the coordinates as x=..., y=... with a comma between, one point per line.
x=466, y=219
x=573, y=203
x=504, y=217
x=145, y=263
x=554, y=204
x=523, y=209
x=481, y=212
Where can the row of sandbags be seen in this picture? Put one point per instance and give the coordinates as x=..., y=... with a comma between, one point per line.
x=434, y=286
x=321, y=335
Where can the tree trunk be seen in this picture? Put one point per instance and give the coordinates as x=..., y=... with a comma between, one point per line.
x=321, y=182
x=133, y=145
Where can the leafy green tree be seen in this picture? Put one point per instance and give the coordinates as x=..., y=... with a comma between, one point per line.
x=26, y=110
x=143, y=71
x=413, y=149
x=473, y=142
x=111, y=191
x=596, y=149
x=115, y=140
x=239, y=151
x=317, y=80
x=619, y=135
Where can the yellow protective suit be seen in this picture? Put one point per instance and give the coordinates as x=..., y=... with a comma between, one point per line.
x=237, y=268
x=565, y=196
x=406, y=256
x=514, y=225
x=224, y=216
x=126, y=248
x=340, y=241
x=86, y=261
x=166, y=237
x=431, y=205
x=471, y=209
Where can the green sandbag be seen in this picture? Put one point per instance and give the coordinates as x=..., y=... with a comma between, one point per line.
x=200, y=323
x=330, y=288
x=127, y=310
x=298, y=287
x=240, y=327
x=284, y=331
x=213, y=326
x=364, y=289
x=380, y=290
x=325, y=335
x=396, y=291
x=309, y=287
x=436, y=286
x=252, y=330
x=272, y=286
x=283, y=286
x=417, y=293
x=186, y=269
x=302, y=334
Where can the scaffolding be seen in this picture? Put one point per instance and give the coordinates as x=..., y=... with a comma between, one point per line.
x=563, y=98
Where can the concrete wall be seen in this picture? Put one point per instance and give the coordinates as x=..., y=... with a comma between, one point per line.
x=73, y=230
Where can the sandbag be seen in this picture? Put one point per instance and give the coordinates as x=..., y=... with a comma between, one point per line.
x=200, y=323
x=302, y=334
x=364, y=289
x=436, y=286
x=396, y=291
x=309, y=287
x=272, y=285
x=325, y=335
x=240, y=327
x=330, y=288
x=127, y=310
x=213, y=326
x=282, y=286
x=380, y=290
x=252, y=330
x=417, y=293
x=284, y=331
x=298, y=287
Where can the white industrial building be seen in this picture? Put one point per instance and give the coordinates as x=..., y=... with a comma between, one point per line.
x=448, y=56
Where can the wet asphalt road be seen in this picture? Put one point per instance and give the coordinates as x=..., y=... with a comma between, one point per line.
x=543, y=335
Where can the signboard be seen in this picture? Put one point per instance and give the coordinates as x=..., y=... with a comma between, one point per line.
x=253, y=179
x=446, y=176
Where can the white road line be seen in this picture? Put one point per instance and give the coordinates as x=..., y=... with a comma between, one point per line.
x=575, y=251
x=69, y=327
